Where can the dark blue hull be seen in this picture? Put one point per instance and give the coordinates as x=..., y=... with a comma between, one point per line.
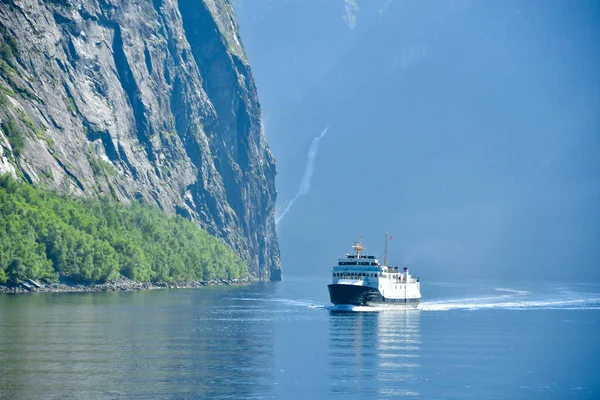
x=364, y=296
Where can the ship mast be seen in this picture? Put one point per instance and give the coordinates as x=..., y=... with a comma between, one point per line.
x=358, y=247
x=385, y=249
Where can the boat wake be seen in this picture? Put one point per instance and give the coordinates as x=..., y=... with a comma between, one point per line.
x=498, y=298
x=512, y=299
x=290, y=302
x=352, y=308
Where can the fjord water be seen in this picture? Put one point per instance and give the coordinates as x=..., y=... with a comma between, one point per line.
x=467, y=340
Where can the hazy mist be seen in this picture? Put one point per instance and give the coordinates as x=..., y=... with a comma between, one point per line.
x=469, y=130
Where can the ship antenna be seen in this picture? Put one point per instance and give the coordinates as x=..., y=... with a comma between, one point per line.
x=385, y=249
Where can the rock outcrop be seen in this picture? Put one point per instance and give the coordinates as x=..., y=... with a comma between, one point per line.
x=145, y=100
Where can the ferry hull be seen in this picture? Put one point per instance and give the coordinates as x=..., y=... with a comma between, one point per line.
x=365, y=296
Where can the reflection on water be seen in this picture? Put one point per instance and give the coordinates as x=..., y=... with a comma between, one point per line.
x=147, y=344
x=374, y=354
x=274, y=341
x=398, y=348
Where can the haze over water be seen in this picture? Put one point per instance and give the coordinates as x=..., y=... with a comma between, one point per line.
x=467, y=340
x=468, y=129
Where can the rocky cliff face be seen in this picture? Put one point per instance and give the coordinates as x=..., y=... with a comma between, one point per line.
x=150, y=100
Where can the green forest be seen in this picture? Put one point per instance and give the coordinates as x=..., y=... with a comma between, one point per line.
x=46, y=236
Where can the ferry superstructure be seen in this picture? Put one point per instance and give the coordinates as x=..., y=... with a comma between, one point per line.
x=360, y=280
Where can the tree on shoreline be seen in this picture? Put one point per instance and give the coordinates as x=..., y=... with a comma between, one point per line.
x=44, y=236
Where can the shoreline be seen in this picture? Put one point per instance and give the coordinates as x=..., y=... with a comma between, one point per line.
x=121, y=284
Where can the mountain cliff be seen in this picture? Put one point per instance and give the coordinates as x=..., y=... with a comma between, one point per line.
x=146, y=100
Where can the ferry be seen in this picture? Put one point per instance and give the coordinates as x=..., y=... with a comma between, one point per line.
x=360, y=280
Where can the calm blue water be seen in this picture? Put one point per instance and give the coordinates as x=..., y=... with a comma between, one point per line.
x=477, y=340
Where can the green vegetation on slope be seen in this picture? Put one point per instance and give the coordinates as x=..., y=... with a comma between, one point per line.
x=8, y=50
x=44, y=235
x=14, y=136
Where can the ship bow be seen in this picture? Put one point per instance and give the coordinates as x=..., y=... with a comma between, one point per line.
x=350, y=294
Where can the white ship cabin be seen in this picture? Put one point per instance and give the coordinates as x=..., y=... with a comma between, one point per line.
x=364, y=270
